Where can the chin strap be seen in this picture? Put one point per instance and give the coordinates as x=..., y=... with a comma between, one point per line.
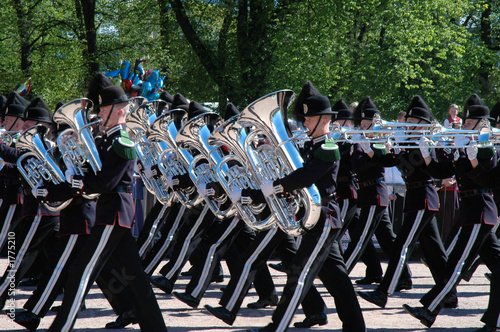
x=10, y=129
x=109, y=114
x=317, y=124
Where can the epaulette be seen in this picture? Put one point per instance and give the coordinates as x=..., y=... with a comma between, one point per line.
x=485, y=153
x=124, y=147
x=329, y=151
x=379, y=148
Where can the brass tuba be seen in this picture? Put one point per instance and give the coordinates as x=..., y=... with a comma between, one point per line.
x=173, y=161
x=273, y=155
x=193, y=136
x=38, y=164
x=139, y=121
x=235, y=170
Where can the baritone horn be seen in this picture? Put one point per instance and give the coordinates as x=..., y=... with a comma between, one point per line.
x=275, y=156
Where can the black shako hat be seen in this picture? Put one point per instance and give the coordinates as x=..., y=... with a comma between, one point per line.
x=366, y=109
x=317, y=105
x=195, y=109
x=15, y=105
x=343, y=111
x=495, y=113
x=165, y=96
x=179, y=101
x=112, y=95
x=418, y=109
x=308, y=90
x=475, y=108
x=231, y=111
x=37, y=110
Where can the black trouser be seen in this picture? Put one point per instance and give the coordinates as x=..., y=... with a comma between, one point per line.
x=319, y=255
x=470, y=243
x=420, y=225
x=116, y=244
x=31, y=236
x=7, y=215
x=188, y=238
x=372, y=219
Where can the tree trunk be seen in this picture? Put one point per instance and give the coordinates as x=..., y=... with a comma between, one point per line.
x=88, y=10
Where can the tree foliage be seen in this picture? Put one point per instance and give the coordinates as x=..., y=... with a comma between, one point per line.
x=238, y=50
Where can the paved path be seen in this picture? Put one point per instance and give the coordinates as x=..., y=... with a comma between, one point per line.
x=473, y=299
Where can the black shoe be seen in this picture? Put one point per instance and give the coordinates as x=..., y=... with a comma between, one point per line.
x=163, y=283
x=488, y=276
x=56, y=308
x=423, y=314
x=222, y=313
x=217, y=279
x=268, y=328
x=190, y=300
x=27, y=319
x=262, y=303
x=376, y=297
x=223, y=289
x=2, y=303
x=188, y=273
x=318, y=318
x=404, y=284
x=278, y=267
x=125, y=319
x=451, y=301
x=486, y=328
x=369, y=280
x=424, y=261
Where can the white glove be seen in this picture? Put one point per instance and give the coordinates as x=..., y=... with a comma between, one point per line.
x=235, y=195
x=171, y=182
x=149, y=172
x=39, y=192
x=357, y=137
x=365, y=146
x=267, y=188
x=202, y=190
x=424, y=147
x=461, y=141
x=69, y=175
x=472, y=150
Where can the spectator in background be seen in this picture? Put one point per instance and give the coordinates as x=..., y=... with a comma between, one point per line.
x=453, y=121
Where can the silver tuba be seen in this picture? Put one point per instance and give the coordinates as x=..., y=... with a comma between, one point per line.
x=193, y=136
x=173, y=161
x=235, y=170
x=138, y=121
x=38, y=164
x=273, y=155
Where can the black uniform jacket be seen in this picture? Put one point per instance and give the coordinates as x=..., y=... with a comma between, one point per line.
x=346, y=186
x=112, y=182
x=476, y=201
x=420, y=190
x=372, y=188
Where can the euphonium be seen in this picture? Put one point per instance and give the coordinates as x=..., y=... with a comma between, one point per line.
x=277, y=157
x=138, y=121
x=194, y=135
x=171, y=162
x=240, y=174
x=38, y=164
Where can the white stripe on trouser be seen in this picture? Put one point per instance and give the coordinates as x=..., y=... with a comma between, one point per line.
x=82, y=287
x=404, y=252
x=354, y=255
x=248, y=265
x=22, y=251
x=56, y=274
x=345, y=207
x=168, y=239
x=152, y=231
x=292, y=305
x=6, y=224
x=210, y=257
x=453, y=243
x=458, y=269
x=187, y=242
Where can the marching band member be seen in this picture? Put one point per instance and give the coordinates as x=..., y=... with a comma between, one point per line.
x=318, y=253
x=110, y=237
x=421, y=206
x=372, y=200
x=473, y=168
